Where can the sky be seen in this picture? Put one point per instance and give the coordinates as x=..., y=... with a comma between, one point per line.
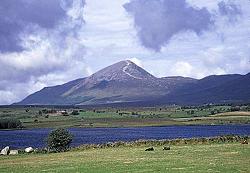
x=46, y=43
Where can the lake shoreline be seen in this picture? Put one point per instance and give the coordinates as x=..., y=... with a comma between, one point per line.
x=100, y=127
x=170, y=142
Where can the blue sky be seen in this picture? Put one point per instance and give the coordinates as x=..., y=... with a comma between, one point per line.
x=45, y=43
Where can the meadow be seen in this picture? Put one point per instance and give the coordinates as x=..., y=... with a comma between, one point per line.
x=205, y=158
x=40, y=117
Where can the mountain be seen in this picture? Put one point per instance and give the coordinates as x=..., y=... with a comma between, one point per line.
x=125, y=82
x=213, y=89
x=121, y=82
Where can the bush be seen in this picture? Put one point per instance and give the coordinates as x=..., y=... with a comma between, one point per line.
x=10, y=124
x=75, y=112
x=235, y=108
x=59, y=140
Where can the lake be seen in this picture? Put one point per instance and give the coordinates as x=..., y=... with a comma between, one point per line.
x=36, y=137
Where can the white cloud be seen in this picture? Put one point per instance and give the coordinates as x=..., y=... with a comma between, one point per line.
x=109, y=35
x=7, y=97
x=181, y=69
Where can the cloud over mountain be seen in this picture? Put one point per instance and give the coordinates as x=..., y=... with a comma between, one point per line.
x=39, y=41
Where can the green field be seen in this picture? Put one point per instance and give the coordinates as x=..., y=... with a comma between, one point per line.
x=115, y=117
x=215, y=157
x=233, y=157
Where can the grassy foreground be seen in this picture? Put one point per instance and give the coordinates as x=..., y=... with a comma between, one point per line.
x=228, y=158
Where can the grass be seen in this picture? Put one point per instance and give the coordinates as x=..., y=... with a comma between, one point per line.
x=232, y=157
x=126, y=117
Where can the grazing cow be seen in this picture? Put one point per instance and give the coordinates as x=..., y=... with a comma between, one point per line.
x=150, y=149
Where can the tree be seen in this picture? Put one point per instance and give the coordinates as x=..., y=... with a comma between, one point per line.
x=10, y=123
x=59, y=140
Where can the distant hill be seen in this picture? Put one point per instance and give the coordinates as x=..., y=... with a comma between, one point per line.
x=213, y=89
x=125, y=82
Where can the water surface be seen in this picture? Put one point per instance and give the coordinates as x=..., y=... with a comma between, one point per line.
x=37, y=137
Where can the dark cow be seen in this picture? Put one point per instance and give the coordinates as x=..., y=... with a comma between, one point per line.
x=166, y=148
x=150, y=149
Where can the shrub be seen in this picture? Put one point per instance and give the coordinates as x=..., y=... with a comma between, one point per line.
x=59, y=140
x=235, y=108
x=10, y=123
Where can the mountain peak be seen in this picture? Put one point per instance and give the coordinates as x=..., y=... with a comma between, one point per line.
x=127, y=61
x=123, y=70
